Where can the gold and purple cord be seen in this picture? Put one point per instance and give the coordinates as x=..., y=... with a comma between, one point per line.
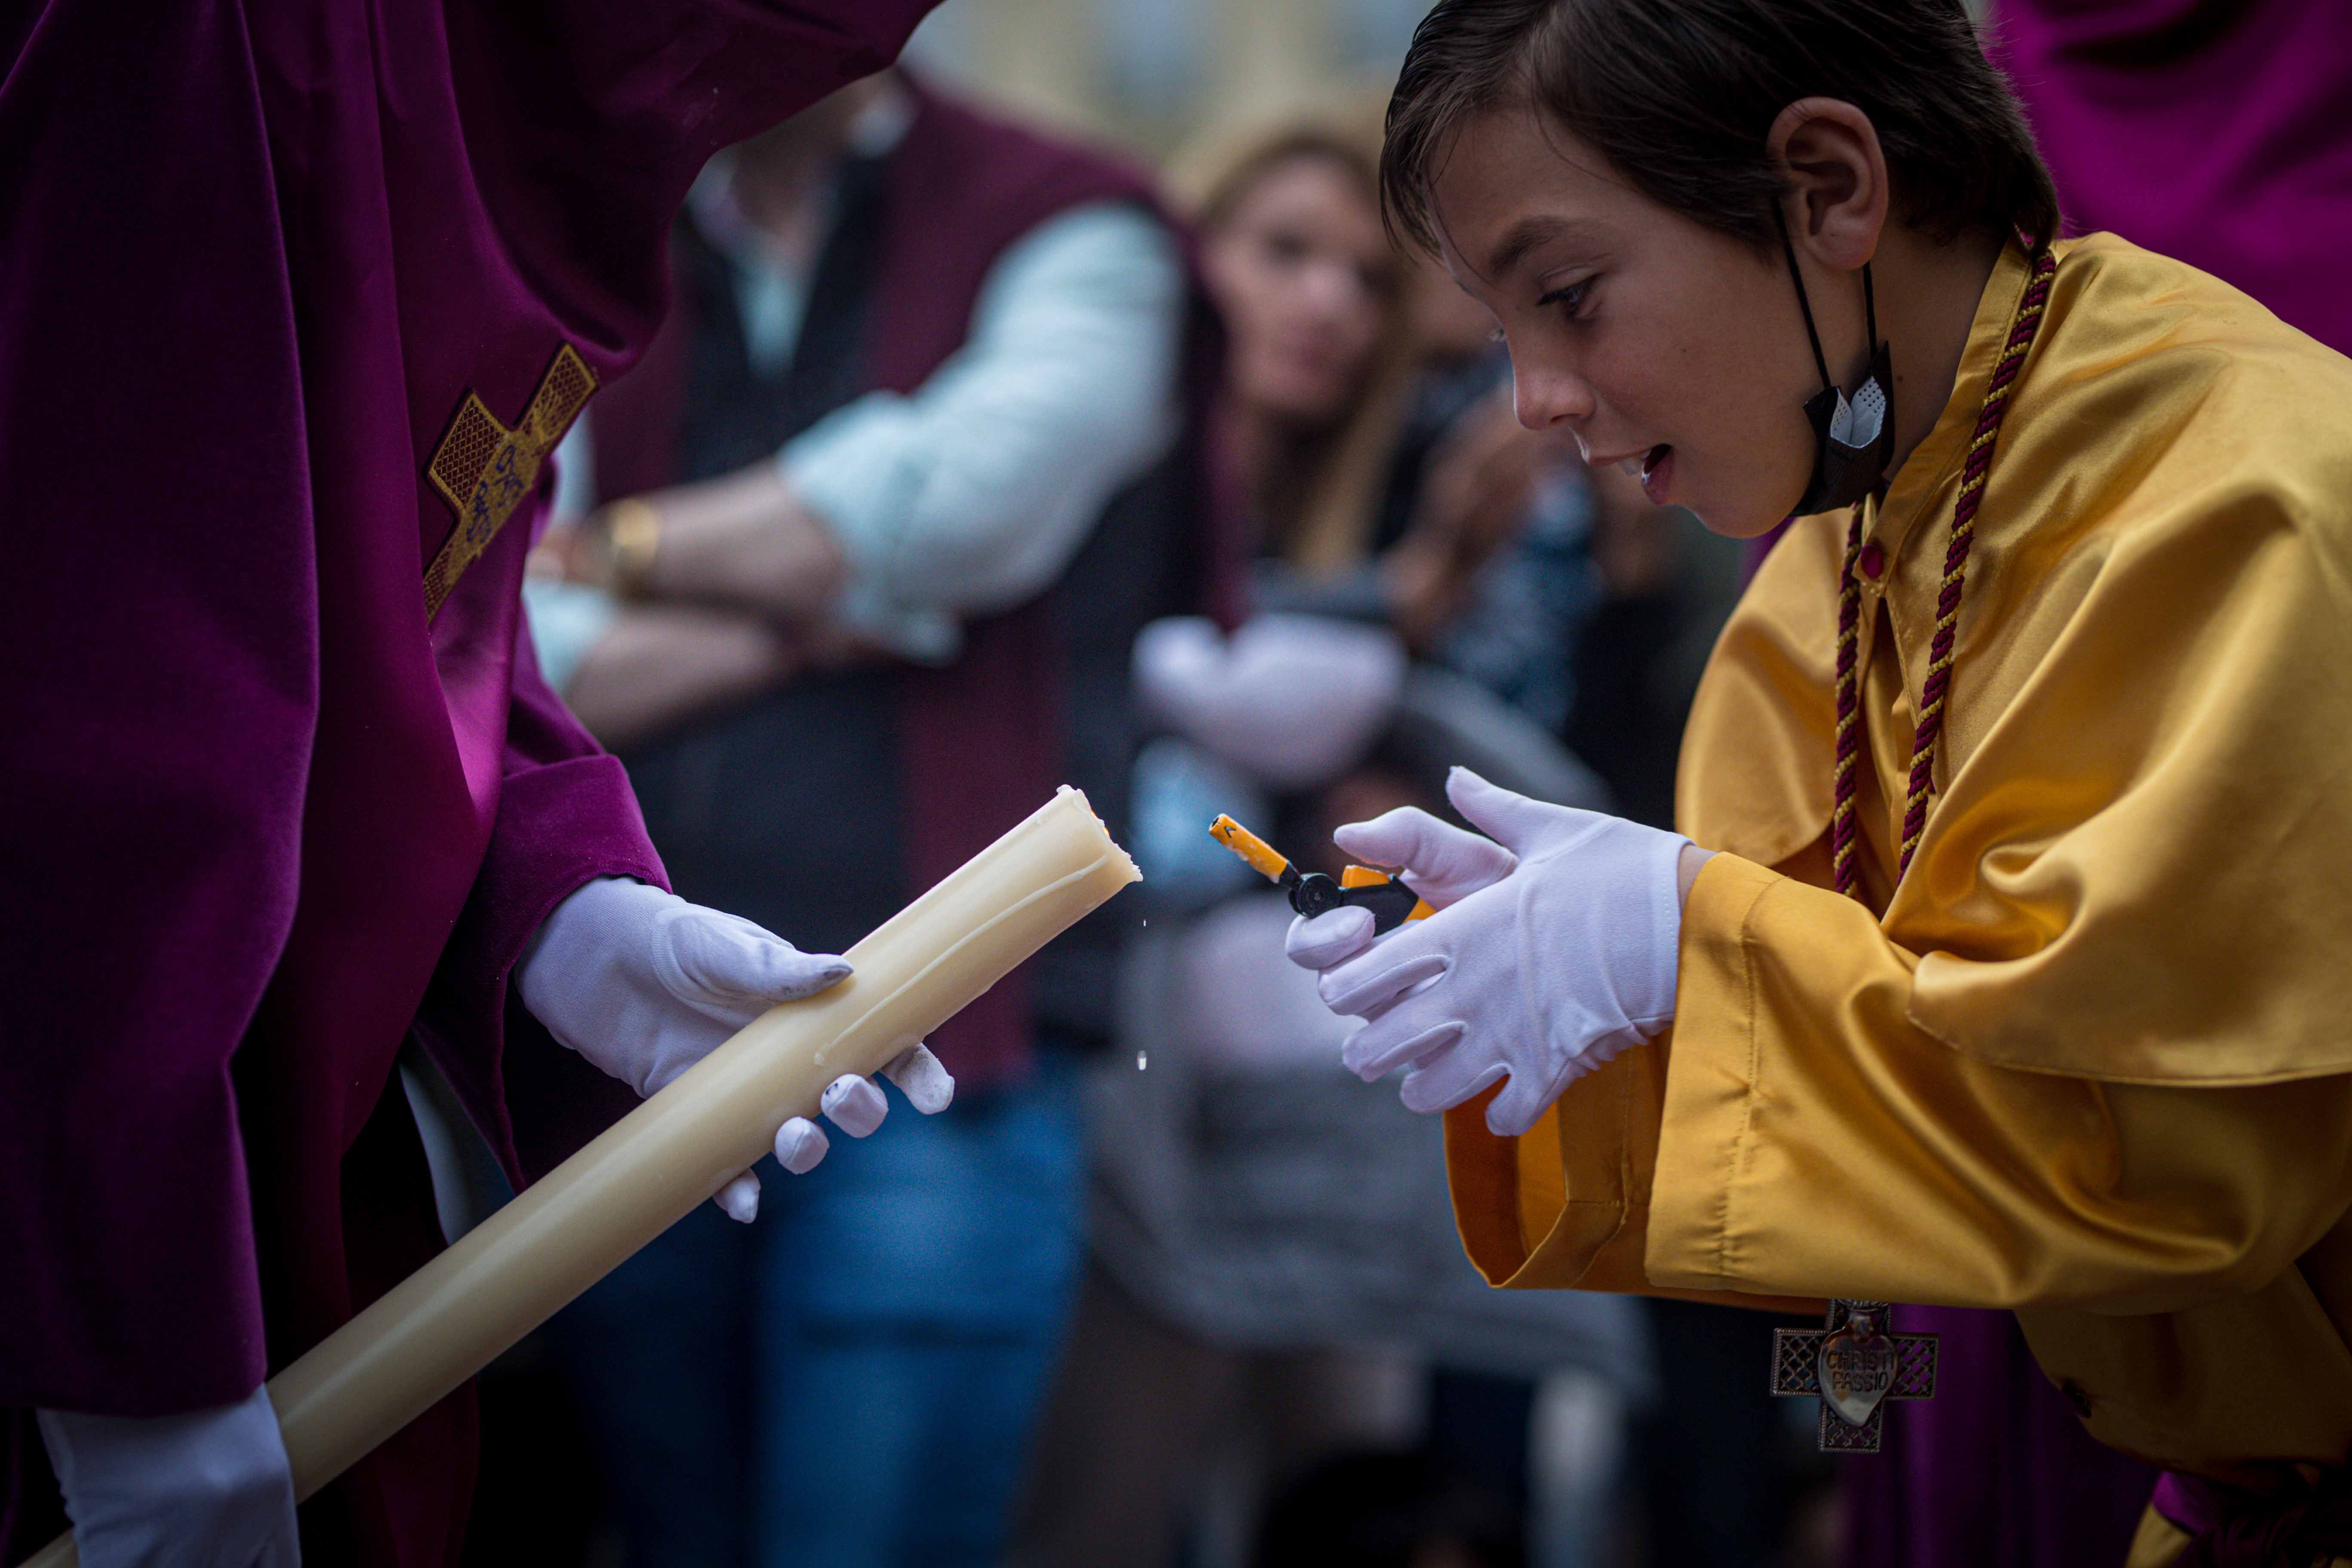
x=1936, y=688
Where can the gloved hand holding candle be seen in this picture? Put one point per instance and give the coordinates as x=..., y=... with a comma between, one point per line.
x=644, y=984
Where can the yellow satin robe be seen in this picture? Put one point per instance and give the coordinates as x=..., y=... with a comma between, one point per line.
x=2093, y=1061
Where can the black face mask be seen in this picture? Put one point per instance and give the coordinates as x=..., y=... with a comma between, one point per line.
x=1853, y=438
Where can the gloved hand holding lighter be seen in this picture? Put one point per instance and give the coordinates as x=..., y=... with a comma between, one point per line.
x=645, y=985
x=1553, y=948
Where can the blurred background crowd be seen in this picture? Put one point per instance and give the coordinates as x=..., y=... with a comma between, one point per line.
x=1055, y=408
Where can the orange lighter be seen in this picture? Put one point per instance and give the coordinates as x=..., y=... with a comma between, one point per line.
x=1312, y=894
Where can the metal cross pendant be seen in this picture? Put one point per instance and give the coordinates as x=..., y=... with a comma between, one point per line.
x=1854, y=1365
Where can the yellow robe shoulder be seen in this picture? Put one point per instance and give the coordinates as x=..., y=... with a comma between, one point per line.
x=2133, y=868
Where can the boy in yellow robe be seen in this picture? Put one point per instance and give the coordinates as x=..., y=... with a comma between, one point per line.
x=2047, y=1005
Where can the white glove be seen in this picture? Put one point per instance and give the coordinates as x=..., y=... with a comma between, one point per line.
x=1554, y=947
x=1293, y=700
x=207, y=1489
x=644, y=984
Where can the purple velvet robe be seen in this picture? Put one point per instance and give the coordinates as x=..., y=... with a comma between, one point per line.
x=2218, y=132
x=1996, y=1468
x=264, y=817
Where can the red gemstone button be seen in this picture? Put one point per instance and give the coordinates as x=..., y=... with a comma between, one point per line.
x=1874, y=560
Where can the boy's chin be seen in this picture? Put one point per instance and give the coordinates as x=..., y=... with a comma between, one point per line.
x=1742, y=517
x=1734, y=522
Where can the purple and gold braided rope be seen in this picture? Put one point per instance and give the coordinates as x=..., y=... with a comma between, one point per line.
x=1921, y=787
x=1849, y=714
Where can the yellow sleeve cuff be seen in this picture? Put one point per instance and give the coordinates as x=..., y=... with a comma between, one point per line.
x=1708, y=1095
x=1542, y=1211
x=1569, y=1205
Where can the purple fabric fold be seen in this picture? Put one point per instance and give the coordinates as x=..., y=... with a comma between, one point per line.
x=158, y=707
x=1996, y=1468
x=2218, y=132
x=2235, y=1527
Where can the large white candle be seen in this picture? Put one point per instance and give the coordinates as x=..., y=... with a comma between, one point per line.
x=568, y=1230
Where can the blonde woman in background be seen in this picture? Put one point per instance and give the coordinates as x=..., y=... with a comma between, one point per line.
x=1334, y=339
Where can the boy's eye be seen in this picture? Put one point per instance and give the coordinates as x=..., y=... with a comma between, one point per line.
x=1573, y=296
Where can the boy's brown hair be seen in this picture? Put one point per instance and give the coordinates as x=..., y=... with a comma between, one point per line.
x=1679, y=95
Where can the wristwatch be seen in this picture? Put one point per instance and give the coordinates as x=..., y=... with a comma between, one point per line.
x=628, y=535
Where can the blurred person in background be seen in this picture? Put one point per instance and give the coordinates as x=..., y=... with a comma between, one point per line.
x=1386, y=1510
x=1365, y=421
x=1664, y=587
x=1724, y=1482
x=884, y=508
x=1277, y=1275
x=1274, y=1283
x=2218, y=132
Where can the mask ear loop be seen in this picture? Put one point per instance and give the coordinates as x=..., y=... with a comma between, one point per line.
x=1869, y=313
x=1869, y=301
x=1820, y=360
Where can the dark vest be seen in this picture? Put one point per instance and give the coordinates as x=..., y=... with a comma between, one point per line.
x=821, y=808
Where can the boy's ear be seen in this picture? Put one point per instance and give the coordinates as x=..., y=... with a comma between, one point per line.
x=1837, y=176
